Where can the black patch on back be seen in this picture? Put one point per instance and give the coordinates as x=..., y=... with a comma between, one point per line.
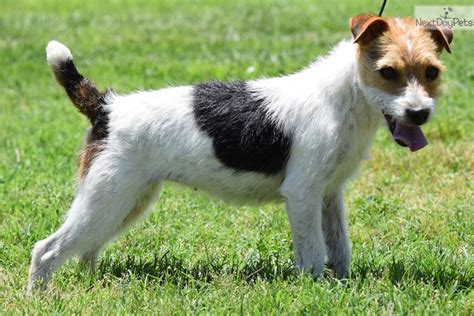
x=243, y=135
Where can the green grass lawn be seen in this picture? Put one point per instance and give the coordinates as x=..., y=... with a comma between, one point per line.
x=411, y=216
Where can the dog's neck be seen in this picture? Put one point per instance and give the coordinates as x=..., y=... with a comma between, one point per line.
x=341, y=84
x=328, y=89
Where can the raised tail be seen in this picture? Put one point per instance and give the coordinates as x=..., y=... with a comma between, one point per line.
x=82, y=92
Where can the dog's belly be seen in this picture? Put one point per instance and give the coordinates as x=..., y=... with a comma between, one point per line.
x=227, y=184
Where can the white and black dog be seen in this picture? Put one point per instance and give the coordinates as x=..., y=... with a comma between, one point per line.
x=297, y=138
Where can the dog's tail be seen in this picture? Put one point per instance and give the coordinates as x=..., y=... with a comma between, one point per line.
x=82, y=92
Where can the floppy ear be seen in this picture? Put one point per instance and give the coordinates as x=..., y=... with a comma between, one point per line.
x=366, y=27
x=443, y=36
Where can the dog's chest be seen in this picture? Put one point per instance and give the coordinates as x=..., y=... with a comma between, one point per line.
x=352, y=146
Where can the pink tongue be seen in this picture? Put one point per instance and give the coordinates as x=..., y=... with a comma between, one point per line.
x=412, y=136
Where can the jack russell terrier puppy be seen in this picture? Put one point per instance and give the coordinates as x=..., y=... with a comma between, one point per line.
x=296, y=138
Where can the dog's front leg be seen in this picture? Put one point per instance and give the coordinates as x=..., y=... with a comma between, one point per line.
x=305, y=216
x=335, y=233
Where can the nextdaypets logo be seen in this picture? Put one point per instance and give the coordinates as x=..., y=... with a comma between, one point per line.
x=456, y=17
x=447, y=10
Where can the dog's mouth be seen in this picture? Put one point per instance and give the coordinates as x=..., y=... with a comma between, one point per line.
x=405, y=135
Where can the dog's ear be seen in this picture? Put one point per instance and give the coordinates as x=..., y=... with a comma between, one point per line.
x=443, y=36
x=366, y=27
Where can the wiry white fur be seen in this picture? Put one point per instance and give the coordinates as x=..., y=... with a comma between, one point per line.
x=153, y=137
x=57, y=53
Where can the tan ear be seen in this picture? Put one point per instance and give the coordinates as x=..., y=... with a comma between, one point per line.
x=443, y=36
x=366, y=27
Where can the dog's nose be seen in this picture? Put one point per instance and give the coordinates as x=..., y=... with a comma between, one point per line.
x=418, y=117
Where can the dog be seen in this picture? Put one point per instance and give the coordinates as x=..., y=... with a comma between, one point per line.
x=296, y=138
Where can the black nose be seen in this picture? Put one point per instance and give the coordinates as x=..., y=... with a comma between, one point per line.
x=417, y=117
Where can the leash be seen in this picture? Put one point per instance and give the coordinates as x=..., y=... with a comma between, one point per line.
x=383, y=7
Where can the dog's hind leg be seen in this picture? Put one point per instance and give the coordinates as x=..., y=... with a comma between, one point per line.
x=104, y=200
x=335, y=234
x=143, y=203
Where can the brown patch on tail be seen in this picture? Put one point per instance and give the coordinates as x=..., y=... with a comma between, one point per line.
x=90, y=102
x=82, y=92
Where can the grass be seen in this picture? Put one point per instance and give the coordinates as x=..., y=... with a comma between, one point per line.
x=411, y=215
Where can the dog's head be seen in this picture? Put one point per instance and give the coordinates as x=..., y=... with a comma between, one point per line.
x=400, y=70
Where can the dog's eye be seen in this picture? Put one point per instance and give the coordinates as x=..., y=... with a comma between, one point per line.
x=431, y=73
x=388, y=73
